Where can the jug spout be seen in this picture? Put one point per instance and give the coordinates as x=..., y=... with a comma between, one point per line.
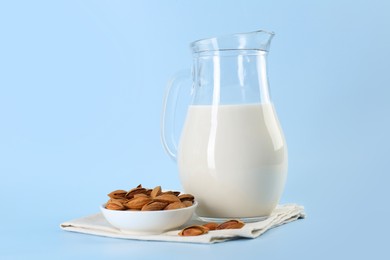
x=257, y=40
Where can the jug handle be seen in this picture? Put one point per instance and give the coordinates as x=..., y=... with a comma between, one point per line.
x=168, y=117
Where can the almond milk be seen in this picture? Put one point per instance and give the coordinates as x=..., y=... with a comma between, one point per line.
x=233, y=159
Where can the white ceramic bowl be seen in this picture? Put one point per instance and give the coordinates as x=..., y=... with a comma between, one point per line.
x=148, y=222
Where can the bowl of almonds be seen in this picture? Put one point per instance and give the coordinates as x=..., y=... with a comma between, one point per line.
x=148, y=211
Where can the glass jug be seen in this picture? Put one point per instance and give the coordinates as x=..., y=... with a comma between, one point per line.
x=232, y=155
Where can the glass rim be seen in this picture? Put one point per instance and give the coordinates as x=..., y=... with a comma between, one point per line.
x=255, y=40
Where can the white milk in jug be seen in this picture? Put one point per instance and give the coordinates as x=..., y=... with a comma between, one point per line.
x=233, y=159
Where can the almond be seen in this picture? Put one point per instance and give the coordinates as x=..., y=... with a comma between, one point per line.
x=137, y=203
x=193, y=231
x=169, y=198
x=184, y=197
x=176, y=193
x=130, y=194
x=154, y=205
x=115, y=205
x=175, y=205
x=211, y=225
x=187, y=203
x=155, y=192
x=121, y=200
x=117, y=194
x=231, y=224
x=140, y=195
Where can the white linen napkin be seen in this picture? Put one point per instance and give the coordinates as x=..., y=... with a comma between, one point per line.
x=97, y=225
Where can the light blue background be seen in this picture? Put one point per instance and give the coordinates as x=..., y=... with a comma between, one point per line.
x=81, y=86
